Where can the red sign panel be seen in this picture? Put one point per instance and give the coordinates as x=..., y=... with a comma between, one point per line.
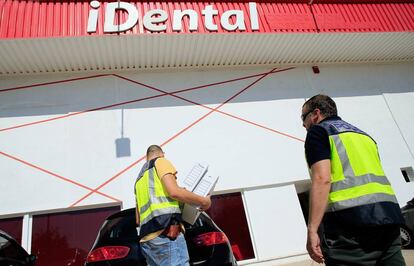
x=47, y=18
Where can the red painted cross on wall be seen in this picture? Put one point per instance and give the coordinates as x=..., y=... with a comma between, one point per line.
x=162, y=93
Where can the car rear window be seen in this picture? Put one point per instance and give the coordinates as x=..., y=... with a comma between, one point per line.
x=10, y=249
x=119, y=227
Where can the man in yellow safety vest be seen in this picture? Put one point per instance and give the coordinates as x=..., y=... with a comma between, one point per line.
x=354, y=216
x=158, y=212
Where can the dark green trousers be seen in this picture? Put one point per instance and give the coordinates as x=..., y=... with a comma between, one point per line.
x=370, y=246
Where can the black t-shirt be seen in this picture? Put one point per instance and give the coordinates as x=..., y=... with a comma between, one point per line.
x=317, y=146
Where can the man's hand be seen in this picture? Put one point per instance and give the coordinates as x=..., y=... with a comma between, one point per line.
x=206, y=205
x=314, y=248
x=182, y=195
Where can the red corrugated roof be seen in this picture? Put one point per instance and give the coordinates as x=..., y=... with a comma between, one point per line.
x=364, y=17
x=34, y=18
x=359, y=1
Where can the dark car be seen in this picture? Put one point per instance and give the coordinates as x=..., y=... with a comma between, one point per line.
x=117, y=243
x=12, y=254
x=407, y=236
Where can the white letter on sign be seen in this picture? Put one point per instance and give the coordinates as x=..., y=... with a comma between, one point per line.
x=111, y=9
x=225, y=23
x=93, y=16
x=209, y=14
x=151, y=18
x=254, y=17
x=178, y=17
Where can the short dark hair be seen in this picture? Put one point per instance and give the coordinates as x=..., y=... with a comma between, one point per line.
x=153, y=149
x=324, y=103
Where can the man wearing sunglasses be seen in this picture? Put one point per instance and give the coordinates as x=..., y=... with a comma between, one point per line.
x=354, y=216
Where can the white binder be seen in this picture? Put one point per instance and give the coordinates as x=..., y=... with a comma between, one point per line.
x=194, y=176
x=199, y=182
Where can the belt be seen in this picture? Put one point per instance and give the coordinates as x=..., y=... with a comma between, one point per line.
x=172, y=231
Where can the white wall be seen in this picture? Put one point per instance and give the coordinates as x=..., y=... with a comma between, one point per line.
x=256, y=146
x=82, y=147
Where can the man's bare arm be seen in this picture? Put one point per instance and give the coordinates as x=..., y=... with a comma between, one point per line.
x=183, y=195
x=321, y=185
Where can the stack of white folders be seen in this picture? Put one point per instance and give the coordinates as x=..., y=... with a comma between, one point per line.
x=199, y=182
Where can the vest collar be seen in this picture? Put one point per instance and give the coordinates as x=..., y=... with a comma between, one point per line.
x=334, y=117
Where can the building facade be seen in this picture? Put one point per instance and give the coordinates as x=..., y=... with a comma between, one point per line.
x=87, y=86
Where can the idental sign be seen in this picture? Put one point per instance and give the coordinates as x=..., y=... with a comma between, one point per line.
x=155, y=19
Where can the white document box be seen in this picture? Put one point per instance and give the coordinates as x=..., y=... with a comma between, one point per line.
x=199, y=182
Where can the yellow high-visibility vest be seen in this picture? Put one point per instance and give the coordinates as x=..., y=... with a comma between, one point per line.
x=357, y=177
x=154, y=205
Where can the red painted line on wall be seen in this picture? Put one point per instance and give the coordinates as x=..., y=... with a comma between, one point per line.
x=215, y=109
x=261, y=126
x=243, y=119
x=108, y=181
x=56, y=175
x=193, y=88
x=173, y=94
x=262, y=75
x=78, y=113
x=116, y=104
x=105, y=75
x=52, y=83
x=173, y=137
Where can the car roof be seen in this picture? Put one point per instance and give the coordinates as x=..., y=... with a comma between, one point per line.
x=123, y=213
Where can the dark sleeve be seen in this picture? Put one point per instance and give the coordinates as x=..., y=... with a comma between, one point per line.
x=317, y=146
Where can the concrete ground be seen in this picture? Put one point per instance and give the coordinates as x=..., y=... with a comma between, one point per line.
x=408, y=255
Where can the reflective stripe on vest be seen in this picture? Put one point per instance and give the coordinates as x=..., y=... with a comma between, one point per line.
x=152, y=200
x=356, y=179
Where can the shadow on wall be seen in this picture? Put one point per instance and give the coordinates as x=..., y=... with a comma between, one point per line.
x=122, y=144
